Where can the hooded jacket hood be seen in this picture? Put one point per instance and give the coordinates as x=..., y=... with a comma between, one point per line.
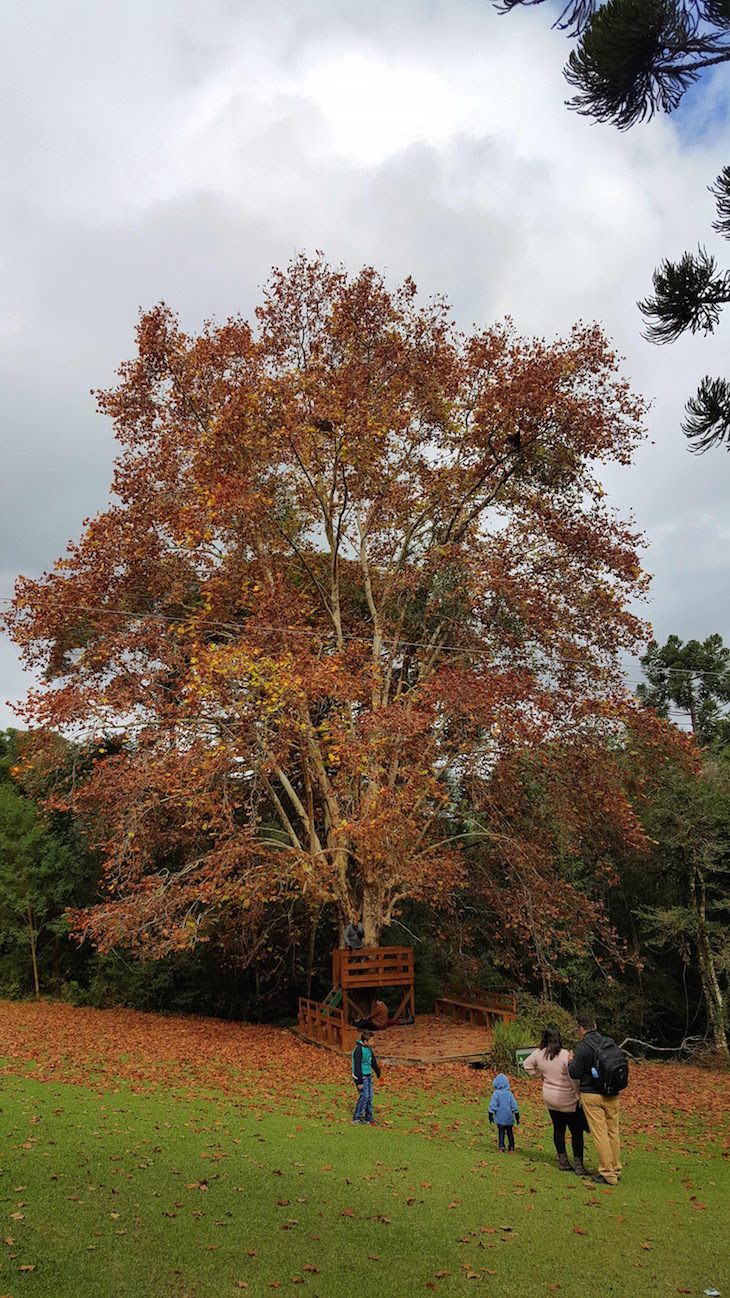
x=501, y=1083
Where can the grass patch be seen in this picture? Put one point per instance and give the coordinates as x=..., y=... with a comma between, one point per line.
x=171, y=1194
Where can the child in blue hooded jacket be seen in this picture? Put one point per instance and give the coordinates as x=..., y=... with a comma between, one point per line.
x=504, y=1110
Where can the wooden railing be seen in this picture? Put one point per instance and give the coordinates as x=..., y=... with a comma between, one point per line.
x=492, y=1000
x=466, y=1006
x=325, y=1025
x=373, y=967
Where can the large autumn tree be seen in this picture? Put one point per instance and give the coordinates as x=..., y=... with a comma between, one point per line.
x=354, y=560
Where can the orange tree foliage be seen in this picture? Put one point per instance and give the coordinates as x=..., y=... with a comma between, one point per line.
x=356, y=563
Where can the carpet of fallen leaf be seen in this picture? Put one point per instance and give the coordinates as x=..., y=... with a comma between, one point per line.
x=104, y=1049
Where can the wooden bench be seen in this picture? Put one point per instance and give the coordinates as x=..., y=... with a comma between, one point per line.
x=475, y=1007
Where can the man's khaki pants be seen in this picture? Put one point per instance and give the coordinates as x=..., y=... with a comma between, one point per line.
x=602, y=1114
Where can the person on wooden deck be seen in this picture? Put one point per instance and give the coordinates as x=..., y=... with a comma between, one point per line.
x=354, y=935
x=377, y=1019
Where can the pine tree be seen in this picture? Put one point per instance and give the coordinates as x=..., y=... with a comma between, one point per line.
x=634, y=58
x=689, y=294
x=693, y=678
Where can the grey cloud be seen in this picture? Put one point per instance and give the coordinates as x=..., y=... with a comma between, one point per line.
x=177, y=150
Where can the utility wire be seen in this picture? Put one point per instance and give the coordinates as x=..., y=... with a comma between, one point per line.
x=310, y=631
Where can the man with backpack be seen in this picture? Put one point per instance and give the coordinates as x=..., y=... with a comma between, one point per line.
x=602, y=1070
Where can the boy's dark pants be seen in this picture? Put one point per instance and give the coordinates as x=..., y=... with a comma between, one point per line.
x=509, y=1132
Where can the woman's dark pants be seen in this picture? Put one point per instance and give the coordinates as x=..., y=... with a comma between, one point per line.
x=574, y=1123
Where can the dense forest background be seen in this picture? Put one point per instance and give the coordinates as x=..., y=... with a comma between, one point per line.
x=663, y=978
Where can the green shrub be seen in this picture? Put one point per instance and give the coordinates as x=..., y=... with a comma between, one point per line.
x=507, y=1038
x=534, y=1013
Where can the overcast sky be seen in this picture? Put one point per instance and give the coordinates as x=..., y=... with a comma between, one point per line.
x=178, y=149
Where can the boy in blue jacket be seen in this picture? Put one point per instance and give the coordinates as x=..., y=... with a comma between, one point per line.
x=364, y=1064
x=504, y=1109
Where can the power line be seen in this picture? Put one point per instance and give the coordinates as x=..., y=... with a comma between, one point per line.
x=310, y=631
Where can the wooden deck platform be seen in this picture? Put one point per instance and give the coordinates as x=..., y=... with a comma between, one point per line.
x=432, y=1039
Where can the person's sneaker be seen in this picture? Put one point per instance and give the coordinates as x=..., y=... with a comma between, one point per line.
x=510, y=1151
x=601, y=1180
x=356, y=1122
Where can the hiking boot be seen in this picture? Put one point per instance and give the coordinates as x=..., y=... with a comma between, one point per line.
x=564, y=1164
x=580, y=1167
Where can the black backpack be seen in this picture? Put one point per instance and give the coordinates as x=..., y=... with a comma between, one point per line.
x=611, y=1065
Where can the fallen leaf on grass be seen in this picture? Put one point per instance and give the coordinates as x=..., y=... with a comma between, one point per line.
x=578, y=1230
x=373, y=1257
x=252, y=1252
x=297, y=1279
x=441, y=1275
x=242, y=1284
x=308, y=1267
x=680, y=1290
x=32, y=1268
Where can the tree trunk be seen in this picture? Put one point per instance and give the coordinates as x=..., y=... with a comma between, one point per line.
x=373, y=913
x=708, y=972
x=313, y=925
x=33, y=937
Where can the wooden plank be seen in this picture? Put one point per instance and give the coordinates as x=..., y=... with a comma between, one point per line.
x=373, y=967
x=462, y=1013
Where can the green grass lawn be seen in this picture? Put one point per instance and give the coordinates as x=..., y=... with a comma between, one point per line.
x=116, y=1193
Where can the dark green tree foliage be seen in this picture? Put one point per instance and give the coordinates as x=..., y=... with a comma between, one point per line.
x=638, y=57
x=689, y=294
x=634, y=58
x=573, y=18
x=44, y=867
x=694, y=678
x=689, y=817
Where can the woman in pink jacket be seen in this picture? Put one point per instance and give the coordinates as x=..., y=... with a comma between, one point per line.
x=561, y=1095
